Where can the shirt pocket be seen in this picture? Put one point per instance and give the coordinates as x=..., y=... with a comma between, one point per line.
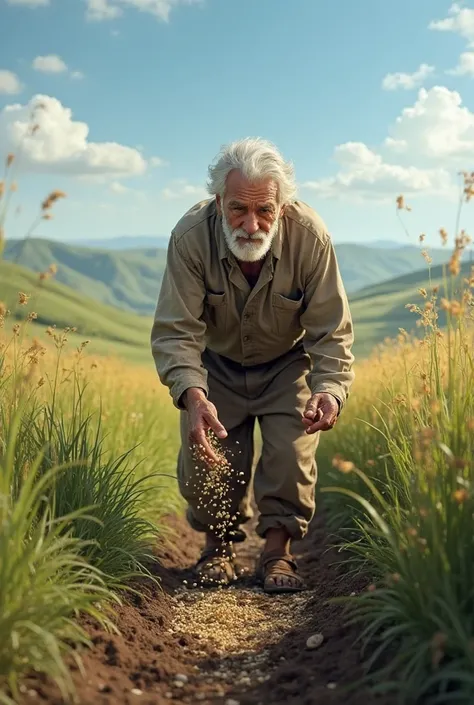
x=215, y=310
x=286, y=313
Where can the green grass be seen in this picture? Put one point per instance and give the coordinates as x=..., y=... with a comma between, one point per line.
x=397, y=478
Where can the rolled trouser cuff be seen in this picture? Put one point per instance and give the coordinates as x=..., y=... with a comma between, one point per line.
x=297, y=527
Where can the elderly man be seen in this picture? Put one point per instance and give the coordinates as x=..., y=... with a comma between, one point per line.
x=252, y=322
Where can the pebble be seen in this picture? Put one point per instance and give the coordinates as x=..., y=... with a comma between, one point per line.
x=200, y=696
x=136, y=691
x=32, y=693
x=315, y=641
x=104, y=688
x=178, y=684
x=181, y=678
x=332, y=686
x=232, y=702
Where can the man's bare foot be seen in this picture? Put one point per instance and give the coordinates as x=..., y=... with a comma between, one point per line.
x=278, y=570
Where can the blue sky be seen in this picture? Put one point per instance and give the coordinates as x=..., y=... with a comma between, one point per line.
x=369, y=100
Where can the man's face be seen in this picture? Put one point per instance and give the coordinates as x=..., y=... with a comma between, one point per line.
x=250, y=216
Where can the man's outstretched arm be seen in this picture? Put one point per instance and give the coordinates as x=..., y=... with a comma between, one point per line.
x=178, y=340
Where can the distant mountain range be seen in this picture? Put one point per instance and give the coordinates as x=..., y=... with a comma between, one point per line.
x=130, y=279
x=124, y=242
x=136, y=242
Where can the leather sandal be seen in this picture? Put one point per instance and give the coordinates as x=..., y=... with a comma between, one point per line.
x=276, y=564
x=215, y=562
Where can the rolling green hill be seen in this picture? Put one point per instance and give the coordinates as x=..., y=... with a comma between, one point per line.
x=111, y=330
x=379, y=311
x=130, y=279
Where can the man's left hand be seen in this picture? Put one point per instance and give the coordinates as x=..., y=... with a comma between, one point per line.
x=321, y=413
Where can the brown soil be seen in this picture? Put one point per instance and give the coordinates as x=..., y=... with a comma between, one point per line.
x=232, y=646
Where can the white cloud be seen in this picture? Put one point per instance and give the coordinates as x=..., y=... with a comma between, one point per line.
x=29, y=3
x=157, y=161
x=465, y=65
x=121, y=190
x=61, y=145
x=49, y=64
x=460, y=21
x=364, y=175
x=9, y=83
x=181, y=189
x=426, y=146
x=52, y=63
x=98, y=10
x=407, y=81
x=436, y=129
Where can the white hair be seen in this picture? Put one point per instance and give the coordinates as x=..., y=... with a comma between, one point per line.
x=256, y=159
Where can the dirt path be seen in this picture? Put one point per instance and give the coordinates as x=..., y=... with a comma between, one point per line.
x=239, y=645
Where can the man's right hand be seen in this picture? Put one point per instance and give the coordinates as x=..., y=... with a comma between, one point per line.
x=202, y=417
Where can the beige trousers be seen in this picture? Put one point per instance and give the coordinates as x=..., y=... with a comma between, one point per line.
x=285, y=476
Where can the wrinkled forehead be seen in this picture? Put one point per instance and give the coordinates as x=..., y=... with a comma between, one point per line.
x=240, y=189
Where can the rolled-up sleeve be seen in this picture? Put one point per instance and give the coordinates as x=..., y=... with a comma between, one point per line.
x=178, y=333
x=328, y=324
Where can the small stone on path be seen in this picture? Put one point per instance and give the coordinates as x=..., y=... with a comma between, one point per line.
x=315, y=641
x=136, y=691
x=181, y=678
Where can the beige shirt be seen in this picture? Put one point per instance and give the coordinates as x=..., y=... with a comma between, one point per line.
x=206, y=301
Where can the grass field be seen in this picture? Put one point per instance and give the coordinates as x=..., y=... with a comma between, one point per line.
x=88, y=448
x=398, y=479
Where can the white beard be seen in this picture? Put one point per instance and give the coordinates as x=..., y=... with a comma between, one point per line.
x=257, y=245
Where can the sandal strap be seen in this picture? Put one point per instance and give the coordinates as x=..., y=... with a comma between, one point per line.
x=276, y=555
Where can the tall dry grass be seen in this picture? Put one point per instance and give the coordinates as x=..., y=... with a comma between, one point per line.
x=399, y=489
x=88, y=447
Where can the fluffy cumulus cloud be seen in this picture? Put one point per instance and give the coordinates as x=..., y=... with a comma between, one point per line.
x=9, y=83
x=49, y=64
x=460, y=20
x=438, y=128
x=465, y=65
x=427, y=145
x=407, y=81
x=59, y=144
x=180, y=188
x=98, y=10
x=365, y=175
